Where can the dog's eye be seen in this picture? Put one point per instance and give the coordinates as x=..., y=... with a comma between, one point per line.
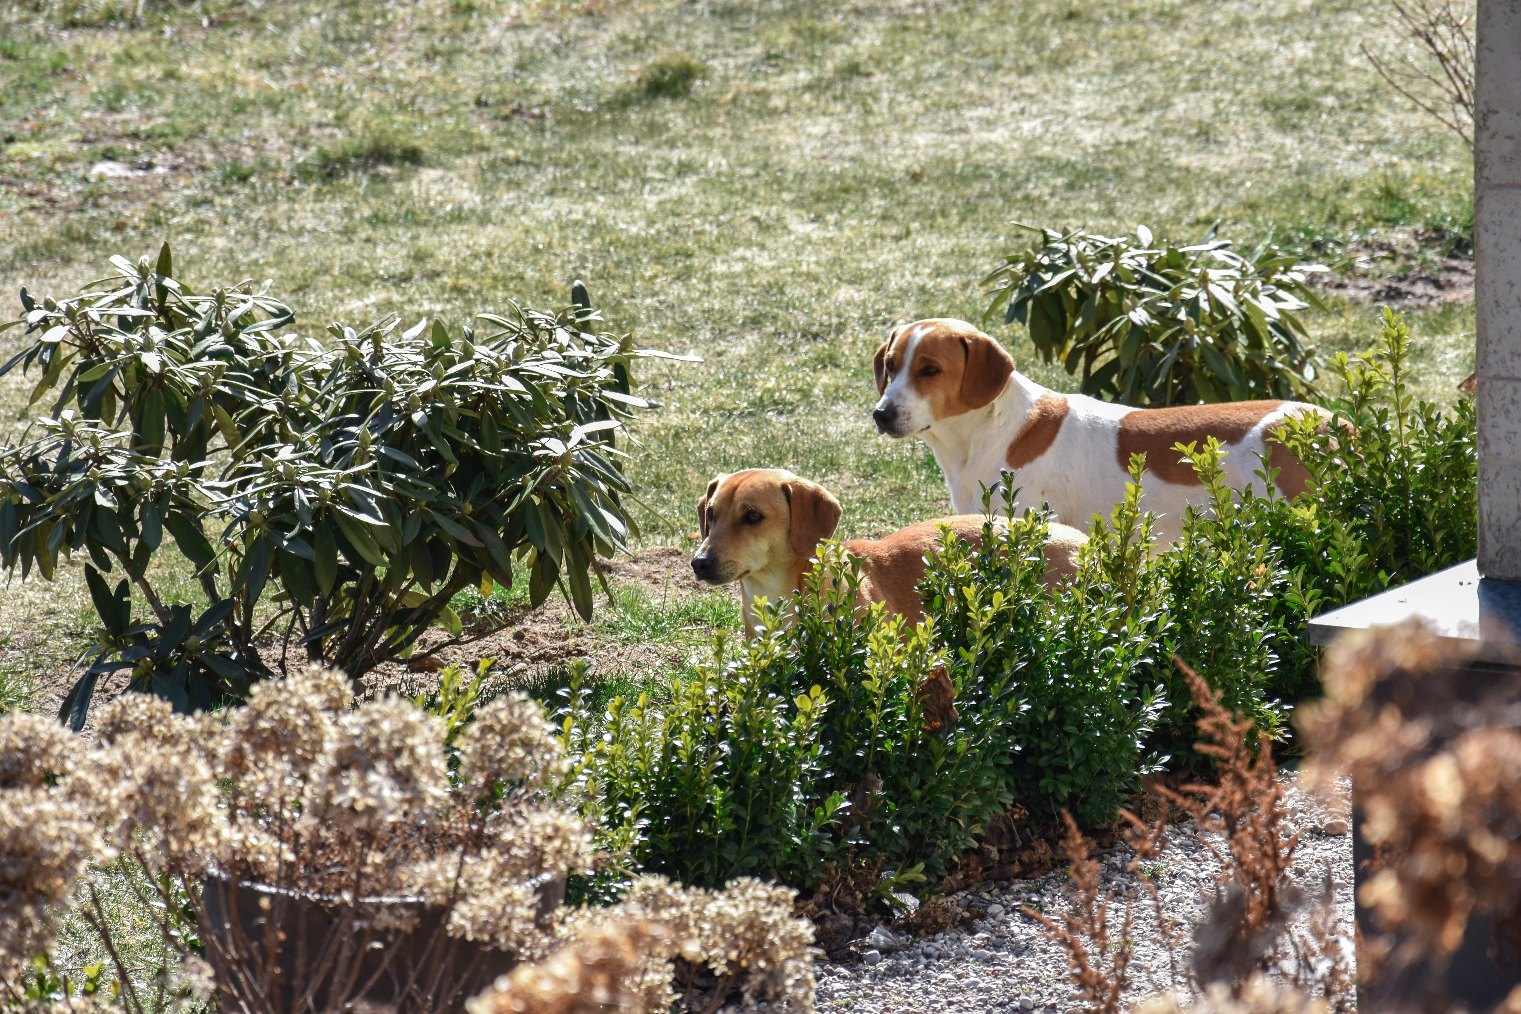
x=930, y=371
x=753, y=517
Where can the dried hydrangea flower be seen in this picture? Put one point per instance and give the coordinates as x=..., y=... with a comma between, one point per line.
x=496, y=891
x=271, y=744
x=1439, y=781
x=601, y=970
x=1258, y=995
x=305, y=792
x=746, y=930
x=150, y=780
x=509, y=742
x=386, y=767
x=34, y=751
x=45, y=843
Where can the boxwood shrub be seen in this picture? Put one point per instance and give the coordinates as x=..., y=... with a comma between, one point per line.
x=844, y=739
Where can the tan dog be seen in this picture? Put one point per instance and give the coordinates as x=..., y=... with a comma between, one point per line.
x=761, y=527
x=949, y=383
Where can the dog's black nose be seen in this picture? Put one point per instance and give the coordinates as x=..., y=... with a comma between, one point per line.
x=703, y=566
x=884, y=416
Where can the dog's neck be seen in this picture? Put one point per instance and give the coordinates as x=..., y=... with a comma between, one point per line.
x=959, y=442
x=779, y=581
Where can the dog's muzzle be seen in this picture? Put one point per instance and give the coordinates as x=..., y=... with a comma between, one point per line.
x=886, y=419
x=705, y=568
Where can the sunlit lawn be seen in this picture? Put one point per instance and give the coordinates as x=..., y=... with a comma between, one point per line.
x=768, y=185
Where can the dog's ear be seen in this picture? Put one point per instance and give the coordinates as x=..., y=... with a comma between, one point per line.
x=988, y=368
x=815, y=514
x=879, y=361
x=703, y=504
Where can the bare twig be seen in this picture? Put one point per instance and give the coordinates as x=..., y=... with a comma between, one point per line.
x=1443, y=30
x=1100, y=972
x=95, y=915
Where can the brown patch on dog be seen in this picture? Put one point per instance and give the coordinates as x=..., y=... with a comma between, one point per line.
x=705, y=503
x=893, y=565
x=879, y=361
x=1038, y=432
x=1154, y=431
x=1293, y=478
x=1063, y=545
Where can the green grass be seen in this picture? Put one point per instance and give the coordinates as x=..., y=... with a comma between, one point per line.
x=551, y=689
x=368, y=148
x=767, y=185
x=671, y=76
x=632, y=615
x=129, y=905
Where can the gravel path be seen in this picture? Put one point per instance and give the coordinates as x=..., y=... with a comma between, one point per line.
x=1003, y=960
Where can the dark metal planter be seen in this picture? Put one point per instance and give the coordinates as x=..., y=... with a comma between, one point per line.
x=275, y=950
x=1478, y=617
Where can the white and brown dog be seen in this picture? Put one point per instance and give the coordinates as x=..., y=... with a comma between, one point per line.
x=762, y=527
x=949, y=383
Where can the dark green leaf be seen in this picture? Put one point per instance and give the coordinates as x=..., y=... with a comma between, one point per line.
x=76, y=704
x=114, y=609
x=187, y=536
x=325, y=562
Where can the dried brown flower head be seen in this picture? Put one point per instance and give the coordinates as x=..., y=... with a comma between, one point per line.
x=347, y=814
x=509, y=742
x=34, y=751
x=1259, y=995
x=150, y=778
x=385, y=768
x=744, y=932
x=45, y=843
x=291, y=719
x=601, y=970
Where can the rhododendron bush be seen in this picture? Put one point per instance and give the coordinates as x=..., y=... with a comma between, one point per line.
x=337, y=492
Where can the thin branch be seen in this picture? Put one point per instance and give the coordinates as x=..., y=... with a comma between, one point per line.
x=96, y=917
x=1443, y=33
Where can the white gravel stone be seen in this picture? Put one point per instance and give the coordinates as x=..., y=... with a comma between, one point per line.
x=1011, y=965
x=124, y=170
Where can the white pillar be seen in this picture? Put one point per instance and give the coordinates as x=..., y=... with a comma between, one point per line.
x=1497, y=244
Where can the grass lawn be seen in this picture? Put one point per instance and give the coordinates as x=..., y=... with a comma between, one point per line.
x=768, y=185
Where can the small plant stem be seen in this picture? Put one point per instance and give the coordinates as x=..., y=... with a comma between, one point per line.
x=96, y=917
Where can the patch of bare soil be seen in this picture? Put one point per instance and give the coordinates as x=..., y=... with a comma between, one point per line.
x=542, y=640
x=531, y=643
x=1421, y=269
x=656, y=570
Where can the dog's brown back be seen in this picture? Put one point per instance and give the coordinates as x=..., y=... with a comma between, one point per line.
x=894, y=564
